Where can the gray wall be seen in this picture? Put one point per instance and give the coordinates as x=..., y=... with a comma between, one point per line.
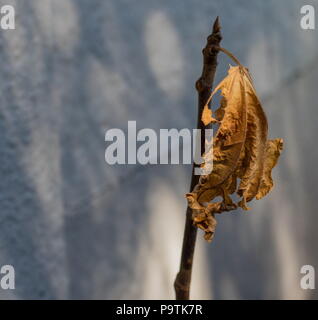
x=75, y=227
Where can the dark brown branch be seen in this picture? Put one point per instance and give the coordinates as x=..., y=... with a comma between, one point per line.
x=204, y=87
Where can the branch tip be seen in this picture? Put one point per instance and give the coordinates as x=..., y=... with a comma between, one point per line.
x=217, y=25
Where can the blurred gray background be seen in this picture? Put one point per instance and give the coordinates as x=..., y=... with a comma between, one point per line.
x=75, y=227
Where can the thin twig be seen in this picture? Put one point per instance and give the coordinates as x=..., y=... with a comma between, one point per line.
x=204, y=86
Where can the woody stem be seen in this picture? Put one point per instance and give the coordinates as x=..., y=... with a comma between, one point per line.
x=204, y=86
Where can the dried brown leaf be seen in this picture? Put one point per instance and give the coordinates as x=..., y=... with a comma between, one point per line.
x=240, y=151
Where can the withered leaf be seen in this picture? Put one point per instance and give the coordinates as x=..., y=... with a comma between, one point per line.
x=273, y=150
x=207, y=116
x=240, y=151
